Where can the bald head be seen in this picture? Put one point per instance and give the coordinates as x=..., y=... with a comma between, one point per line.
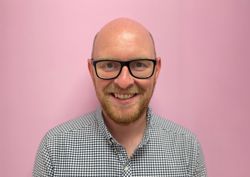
x=122, y=33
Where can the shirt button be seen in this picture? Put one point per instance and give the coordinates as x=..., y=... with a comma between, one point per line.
x=126, y=168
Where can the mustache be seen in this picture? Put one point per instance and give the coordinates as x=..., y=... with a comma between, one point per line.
x=112, y=88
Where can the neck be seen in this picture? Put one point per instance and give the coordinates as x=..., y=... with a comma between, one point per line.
x=128, y=135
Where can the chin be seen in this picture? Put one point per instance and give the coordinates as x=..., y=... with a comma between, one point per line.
x=124, y=114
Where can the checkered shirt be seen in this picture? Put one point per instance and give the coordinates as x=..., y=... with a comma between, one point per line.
x=84, y=147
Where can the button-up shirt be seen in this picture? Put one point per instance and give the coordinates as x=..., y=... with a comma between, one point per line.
x=85, y=147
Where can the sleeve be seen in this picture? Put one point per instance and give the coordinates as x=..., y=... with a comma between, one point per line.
x=43, y=163
x=198, y=164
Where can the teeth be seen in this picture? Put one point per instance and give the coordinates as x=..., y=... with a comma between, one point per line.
x=123, y=96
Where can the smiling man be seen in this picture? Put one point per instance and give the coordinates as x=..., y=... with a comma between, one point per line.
x=123, y=137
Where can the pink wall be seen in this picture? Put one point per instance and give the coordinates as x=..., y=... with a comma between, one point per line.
x=204, y=82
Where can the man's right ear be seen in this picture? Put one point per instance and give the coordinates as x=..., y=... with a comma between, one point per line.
x=90, y=67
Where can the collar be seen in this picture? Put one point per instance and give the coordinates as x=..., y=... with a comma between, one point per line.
x=107, y=135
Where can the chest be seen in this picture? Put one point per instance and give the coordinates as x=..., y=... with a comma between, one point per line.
x=102, y=159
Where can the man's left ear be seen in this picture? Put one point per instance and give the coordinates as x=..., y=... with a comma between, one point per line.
x=158, y=66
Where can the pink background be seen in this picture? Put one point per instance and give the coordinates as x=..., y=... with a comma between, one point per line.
x=203, y=85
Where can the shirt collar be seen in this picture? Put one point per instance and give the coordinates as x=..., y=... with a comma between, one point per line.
x=101, y=125
x=104, y=131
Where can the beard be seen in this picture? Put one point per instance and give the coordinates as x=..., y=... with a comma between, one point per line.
x=126, y=114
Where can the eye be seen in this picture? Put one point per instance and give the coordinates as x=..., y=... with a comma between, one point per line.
x=139, y=65
x=108, y=66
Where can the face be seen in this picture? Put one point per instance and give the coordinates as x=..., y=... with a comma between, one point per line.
x=124, y=99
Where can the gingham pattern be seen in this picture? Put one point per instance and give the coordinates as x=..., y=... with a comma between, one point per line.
x=84, y=147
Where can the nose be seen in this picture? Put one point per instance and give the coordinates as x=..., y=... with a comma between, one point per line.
x=125, y=79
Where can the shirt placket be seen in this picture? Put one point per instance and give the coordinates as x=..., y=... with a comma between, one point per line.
x=119, y=150
x=124, y=161
x=122, y=157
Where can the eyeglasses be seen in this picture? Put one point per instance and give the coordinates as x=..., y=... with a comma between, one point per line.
x=110, y=69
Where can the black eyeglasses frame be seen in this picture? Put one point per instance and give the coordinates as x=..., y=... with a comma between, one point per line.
x=123, y=63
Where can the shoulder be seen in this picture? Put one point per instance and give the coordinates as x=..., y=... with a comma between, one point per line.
x=170, y=135
x=83, y=123
x=169, y=127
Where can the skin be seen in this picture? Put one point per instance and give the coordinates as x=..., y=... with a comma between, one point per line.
x=124, y=39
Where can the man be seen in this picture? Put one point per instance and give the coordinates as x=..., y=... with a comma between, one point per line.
x=123, y=137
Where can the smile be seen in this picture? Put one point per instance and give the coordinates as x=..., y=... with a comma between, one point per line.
x=123, y=96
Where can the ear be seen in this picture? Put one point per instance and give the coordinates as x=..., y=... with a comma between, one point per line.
x=158, y=66
x=91, y=70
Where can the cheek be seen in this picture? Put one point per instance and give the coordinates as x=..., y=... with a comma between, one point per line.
x=100, y=85
x=146, y=85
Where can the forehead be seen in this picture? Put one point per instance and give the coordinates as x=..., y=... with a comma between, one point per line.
x=126, y=42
